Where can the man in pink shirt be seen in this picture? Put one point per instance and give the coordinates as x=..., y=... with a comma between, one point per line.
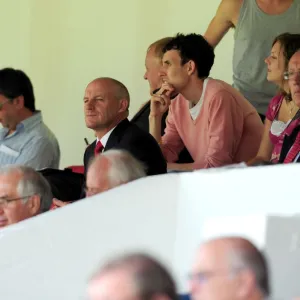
x=216, y=124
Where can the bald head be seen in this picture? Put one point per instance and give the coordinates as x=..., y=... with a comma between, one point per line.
x=106, y=103
x=117, y=167
x=135, y=276
x=232, y=268
x=153, y=63
x=115, y=87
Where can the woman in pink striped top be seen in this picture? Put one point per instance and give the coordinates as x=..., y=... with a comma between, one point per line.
x=282, y=109
x=210, y=118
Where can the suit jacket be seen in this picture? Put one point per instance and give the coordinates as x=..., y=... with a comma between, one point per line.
x=288, y=142
x=139, y=143
x=141, y=119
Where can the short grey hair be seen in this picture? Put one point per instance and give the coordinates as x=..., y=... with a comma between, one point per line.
x=123, y=167
x=247, y=256
x=149, y=275
x=31, y=183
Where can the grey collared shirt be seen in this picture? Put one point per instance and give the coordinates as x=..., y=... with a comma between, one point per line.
x=32, y=144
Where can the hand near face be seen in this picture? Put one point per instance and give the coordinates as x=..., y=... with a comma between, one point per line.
x=161, y=101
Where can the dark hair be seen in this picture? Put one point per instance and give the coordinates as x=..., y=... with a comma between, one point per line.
x=150, y=276
x=196, y=48
x=289, y=44
x=14, y=83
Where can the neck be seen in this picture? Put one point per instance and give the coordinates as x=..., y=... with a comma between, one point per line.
x=284, y=87
x=193, y=91
x=101, y=131
x=22, y=115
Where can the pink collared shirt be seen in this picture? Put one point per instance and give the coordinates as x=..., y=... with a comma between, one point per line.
x=227, y=130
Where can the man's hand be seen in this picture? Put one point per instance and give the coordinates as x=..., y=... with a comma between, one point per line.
x=161, y=101
x=58, y=203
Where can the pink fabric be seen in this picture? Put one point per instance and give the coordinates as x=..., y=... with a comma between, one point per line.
x=272, y=114
x=274, y=107
x=227, y=130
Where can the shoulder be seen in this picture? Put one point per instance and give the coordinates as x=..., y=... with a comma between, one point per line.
x=178, y=103
x=217, y=89
x=90, y=148
x=230, y=9
x=274, y=107
x=134, y=137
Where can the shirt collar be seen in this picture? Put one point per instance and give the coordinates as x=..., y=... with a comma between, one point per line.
x=32, y=121
x=105, y=138
x=195, y=110
x=26, y=124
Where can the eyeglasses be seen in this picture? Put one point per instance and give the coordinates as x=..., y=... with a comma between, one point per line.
x=204, y=276
x=291, y=75
x=4, y=201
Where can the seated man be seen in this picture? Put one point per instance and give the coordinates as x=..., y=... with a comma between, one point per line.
x=117, y=167
x=106, y=104
x=24, y=193
x=290, y=151
x=133, y=276
x=229, y=268
x=153, y=65
x=216, y=124
x=25, y=139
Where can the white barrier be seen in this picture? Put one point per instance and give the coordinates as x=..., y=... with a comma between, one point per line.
x=53, y=255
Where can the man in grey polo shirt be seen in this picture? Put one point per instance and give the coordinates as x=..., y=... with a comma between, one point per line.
x=24, y=138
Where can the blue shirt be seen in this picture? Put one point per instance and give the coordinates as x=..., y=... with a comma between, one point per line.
x=32, y=144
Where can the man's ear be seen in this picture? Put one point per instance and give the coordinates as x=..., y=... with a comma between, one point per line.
x=19, y=102
x=191, y=67
x=123, y=105
x=34, y=204
x=247, y=284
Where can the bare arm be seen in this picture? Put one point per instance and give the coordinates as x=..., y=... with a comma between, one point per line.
x=266, y=147
x=226, y=17
x=155, y=126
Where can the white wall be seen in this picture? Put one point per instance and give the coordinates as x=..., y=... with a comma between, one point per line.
x=52, y=256
x=64, y=44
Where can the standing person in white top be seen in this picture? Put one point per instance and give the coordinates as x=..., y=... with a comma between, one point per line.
x=256, y=24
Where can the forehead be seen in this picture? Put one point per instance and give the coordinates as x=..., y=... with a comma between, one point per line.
x=113, y=285
x=100, y=87
x=295, y=60
x=211, y=256
x=93, y=173
x=2, y=98
x=152, y=58
x=172, y=55
x=276, y=47
x=9, y=182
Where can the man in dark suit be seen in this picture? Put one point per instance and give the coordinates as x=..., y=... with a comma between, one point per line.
x=106, y=103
